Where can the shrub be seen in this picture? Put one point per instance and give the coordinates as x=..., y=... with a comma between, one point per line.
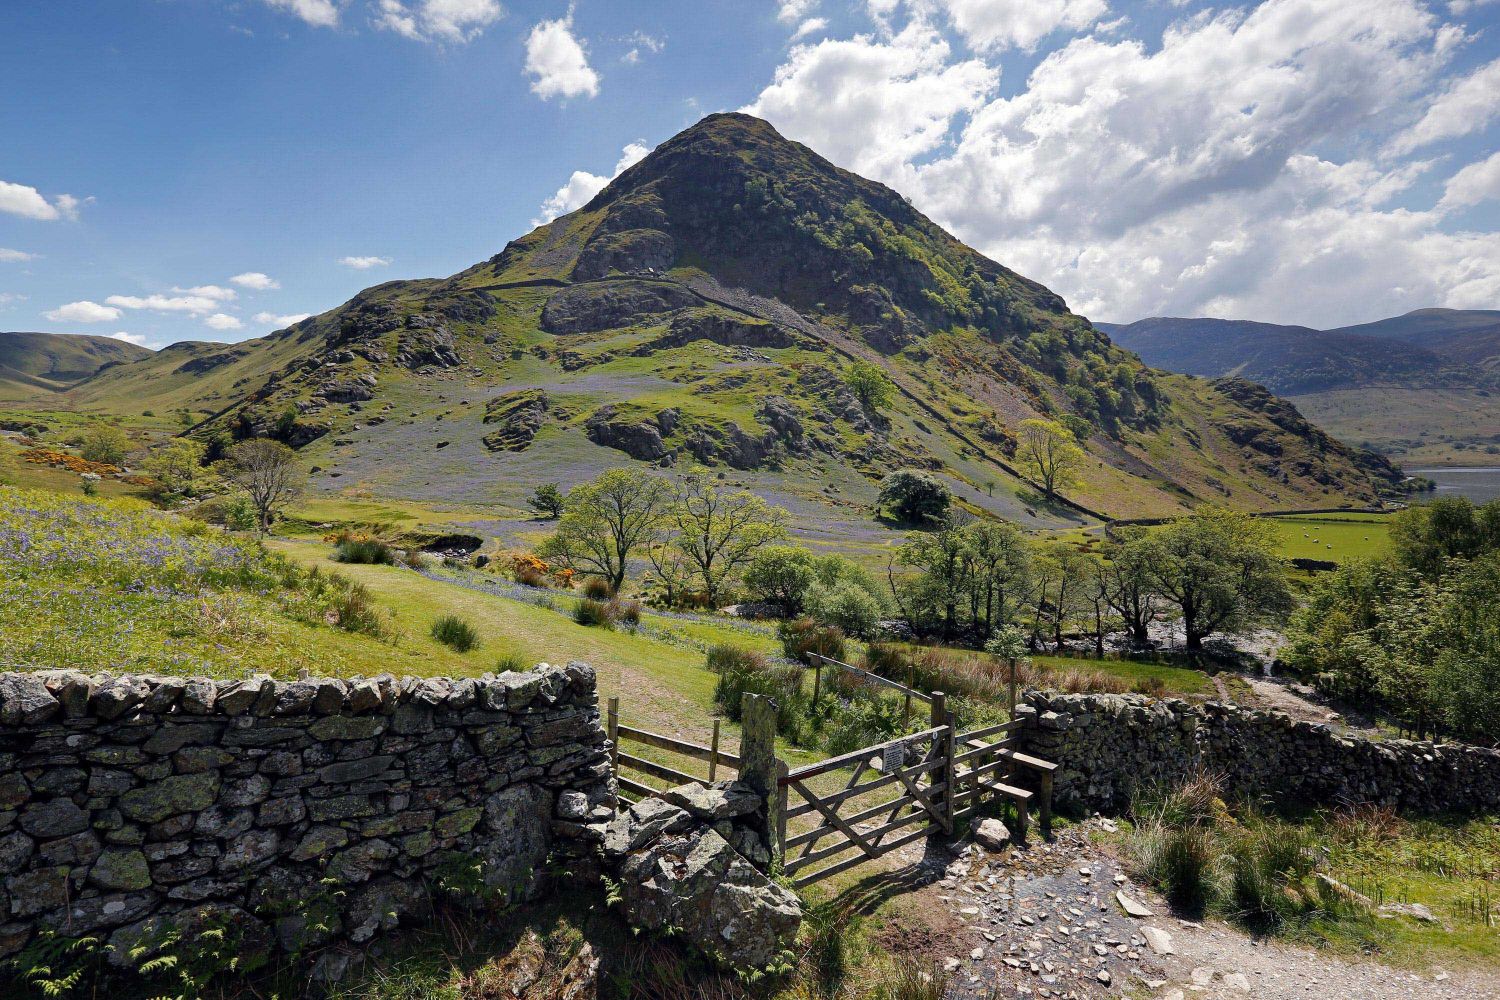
x=1184, y=868
x=597, y=588
x=724, y=657
x=1267, y=864
x=782, y=683
x=628, y=612
x=861, y=720
x=455, y=633
x=912, y=980
x=802, y=636
x=513, y=662
x=362, y=549
x=592, y=612
x=845, y=605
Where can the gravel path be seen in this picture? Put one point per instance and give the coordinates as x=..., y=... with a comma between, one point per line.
x=1049, y=921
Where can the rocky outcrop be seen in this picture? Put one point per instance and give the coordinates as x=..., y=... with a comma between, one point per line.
x=517, y=417
x=727, y=331
x=427, y=341
x=136, y=803
x=691, y=861
x=633, y=251
x=1108, y=745
x=607, y=305
x=640, y=439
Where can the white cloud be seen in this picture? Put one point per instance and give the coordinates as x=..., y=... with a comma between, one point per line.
x=1468, y=105
x=129, y=338
x=318, y=13
x=439, y=20
x=83, y=312
x=558, y=62
x=874, y=104
x=29, y=203
x=256, y=281
x=792, y=11
x=218, y=293
x=15, y=256
x=640, y=41
x=278, y=321
x=166, y=303
x=1215, y=170
x=6, y=298
x=997, y=24
x=364, y=263
x=811, y=26
x=223, y=321
x=582, y=186
x=1475, y=183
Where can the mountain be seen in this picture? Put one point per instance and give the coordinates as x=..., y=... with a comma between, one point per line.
x=1420, y=387
x=48, y=361
x=704, y=309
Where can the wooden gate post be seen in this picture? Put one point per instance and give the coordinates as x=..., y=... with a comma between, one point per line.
x=943, y=751
x=758, y=761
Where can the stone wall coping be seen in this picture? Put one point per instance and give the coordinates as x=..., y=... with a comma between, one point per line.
x=1210, y=711
x=29, y=698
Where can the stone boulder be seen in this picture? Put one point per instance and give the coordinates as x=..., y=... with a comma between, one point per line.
x=638, y=439
x=695, y=883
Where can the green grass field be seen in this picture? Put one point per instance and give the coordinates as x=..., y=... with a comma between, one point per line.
x=1177, y=680
x=1334, y=537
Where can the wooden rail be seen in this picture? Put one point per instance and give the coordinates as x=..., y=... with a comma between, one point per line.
x=621, y=762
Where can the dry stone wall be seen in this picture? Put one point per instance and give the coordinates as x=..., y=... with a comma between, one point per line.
x=1106, y=745
x=291, y=813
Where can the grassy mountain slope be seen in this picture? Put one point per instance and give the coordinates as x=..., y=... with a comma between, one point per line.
x=49, y=361
x=1421, y=387
x=703, y=309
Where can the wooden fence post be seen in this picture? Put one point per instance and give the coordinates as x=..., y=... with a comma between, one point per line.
x=758, y=763
x=613, y=732
x=713, y=754
x=817, y=680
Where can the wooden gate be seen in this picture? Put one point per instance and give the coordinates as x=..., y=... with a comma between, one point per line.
x=939, y=777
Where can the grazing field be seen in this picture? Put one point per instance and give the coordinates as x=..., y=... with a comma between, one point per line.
x=1334, y=537
x=1174, y=680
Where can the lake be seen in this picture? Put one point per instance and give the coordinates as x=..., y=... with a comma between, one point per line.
x=1478, y=484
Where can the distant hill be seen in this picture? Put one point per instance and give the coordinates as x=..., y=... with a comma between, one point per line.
x=51, y=361
x=704, y=309
x=1419, y=387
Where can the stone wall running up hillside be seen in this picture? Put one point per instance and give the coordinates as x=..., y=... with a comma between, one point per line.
x=1107, y=745
x=133, y=805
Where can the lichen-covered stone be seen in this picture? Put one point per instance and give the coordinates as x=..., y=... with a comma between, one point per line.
x=168, y=802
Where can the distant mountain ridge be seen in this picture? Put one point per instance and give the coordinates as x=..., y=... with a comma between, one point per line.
x=703, y=309
x=55, y=360
x=1417, y=386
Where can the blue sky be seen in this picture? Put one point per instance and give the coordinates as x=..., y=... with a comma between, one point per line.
x=1307, y=161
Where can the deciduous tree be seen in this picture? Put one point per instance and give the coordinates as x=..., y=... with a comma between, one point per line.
x=269, y=473
x=607, y=521
x=1050, y=454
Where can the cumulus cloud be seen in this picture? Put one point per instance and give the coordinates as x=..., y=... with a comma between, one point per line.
x=998, y=24
x=557, y=62
x=875, y=104
x=439, y=20
x=217, y=293
x=129, y=338
x=1466, y=106
x=364, y=263
x=1215, y=169
x=29, y=203
x=189, y=303
x=1475, y=183
x=582, y=186
x=792, y=11
x=83, y=312
x=811, y=26
x=255, y=281
x=318, y=13
x=223, y=321
x=278, y=321
x=9, y=256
